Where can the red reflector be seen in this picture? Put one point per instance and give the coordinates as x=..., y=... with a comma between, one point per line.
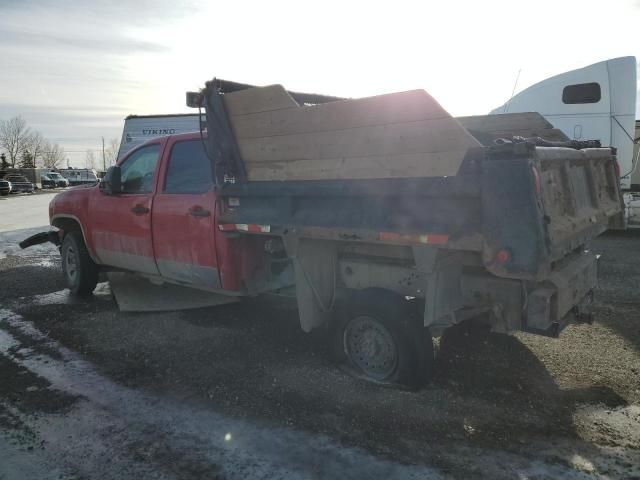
x=438, y=239
x=503, y=256
x=389, y=236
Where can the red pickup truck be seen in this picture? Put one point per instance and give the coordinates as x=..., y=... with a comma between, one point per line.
x=162, y=223
x=427, y=225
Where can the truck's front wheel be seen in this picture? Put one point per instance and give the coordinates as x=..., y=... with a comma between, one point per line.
x=379, y=339
x=79, y=270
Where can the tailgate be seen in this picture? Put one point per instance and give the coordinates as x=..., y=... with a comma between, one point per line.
x=580, y=195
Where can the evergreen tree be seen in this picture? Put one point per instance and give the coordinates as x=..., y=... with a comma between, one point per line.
x=27, y=160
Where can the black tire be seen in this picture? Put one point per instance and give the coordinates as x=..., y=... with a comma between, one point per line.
x=80, y=272
x=5, y=194
x=378, y=337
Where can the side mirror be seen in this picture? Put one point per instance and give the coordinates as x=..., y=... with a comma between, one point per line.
x=110, y=184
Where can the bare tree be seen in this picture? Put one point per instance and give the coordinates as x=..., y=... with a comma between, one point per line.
x=36, y=145
x=14, y=136
x=111, y=152
x=90, y=159
x=53, y=155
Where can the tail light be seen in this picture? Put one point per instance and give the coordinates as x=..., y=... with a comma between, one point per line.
x=503, y=256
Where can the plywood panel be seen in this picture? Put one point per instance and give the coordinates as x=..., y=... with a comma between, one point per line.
x=400, y=107
x=439, y=135
x=551, y=134
x=436, y=164
x=262, y=99
x=505, y=122
x=399, y=135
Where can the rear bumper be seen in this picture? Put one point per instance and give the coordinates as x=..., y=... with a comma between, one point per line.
x=564, y=296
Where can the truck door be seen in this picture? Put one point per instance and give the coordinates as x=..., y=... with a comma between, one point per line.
x=121, y=223
x=184, y=215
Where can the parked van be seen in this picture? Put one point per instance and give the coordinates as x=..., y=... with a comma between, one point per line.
x=80, y=176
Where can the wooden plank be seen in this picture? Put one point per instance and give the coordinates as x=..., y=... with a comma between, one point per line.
x=505, y=122
x=400, y=107
x=259, y=99
x=551, y=134
x=437, y=135
x=400, y=135
x=435, y=164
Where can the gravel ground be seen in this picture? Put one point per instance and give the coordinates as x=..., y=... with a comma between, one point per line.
x=130, y=386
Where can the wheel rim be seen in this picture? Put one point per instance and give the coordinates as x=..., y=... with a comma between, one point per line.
x=71, y=264
x=371, y=347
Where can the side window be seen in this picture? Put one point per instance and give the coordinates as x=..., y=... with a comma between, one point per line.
x=189, y=169
x=137, y=171
x=581, y=93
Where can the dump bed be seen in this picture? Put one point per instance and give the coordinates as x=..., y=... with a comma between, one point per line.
x=399, y=169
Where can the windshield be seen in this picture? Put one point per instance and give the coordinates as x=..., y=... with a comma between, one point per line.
x=54, y=176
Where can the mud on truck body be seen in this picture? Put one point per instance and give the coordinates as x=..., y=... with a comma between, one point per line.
x=387, y=219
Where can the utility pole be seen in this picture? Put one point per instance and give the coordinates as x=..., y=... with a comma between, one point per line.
x=104, y=165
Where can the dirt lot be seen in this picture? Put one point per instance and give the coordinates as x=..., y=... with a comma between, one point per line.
x=239, y=391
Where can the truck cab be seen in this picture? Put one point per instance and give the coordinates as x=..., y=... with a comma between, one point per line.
x=161, y=223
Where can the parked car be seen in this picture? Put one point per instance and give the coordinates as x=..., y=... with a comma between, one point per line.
x=5, y=187
x=47, y=182
x=19, y=183
x=53, y=180
x=80, y=176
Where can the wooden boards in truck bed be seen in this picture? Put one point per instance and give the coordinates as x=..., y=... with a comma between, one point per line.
x=400, y=135
x=487, y=128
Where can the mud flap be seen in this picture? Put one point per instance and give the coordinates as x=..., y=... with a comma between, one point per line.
x=42, y=237
x=137, y=294
x=315, y=271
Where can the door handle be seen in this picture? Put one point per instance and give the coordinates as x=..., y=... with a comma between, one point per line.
x=199, y=212
x=139, y=210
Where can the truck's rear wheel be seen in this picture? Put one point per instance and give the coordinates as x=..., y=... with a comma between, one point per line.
x=80, y=272
x=379, y=339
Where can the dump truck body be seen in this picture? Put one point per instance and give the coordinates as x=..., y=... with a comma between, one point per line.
x=397, y=173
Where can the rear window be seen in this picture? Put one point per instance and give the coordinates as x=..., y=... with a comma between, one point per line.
x=581, y=93
x=189, y=169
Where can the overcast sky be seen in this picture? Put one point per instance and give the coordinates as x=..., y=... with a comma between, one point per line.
x=75, y=68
